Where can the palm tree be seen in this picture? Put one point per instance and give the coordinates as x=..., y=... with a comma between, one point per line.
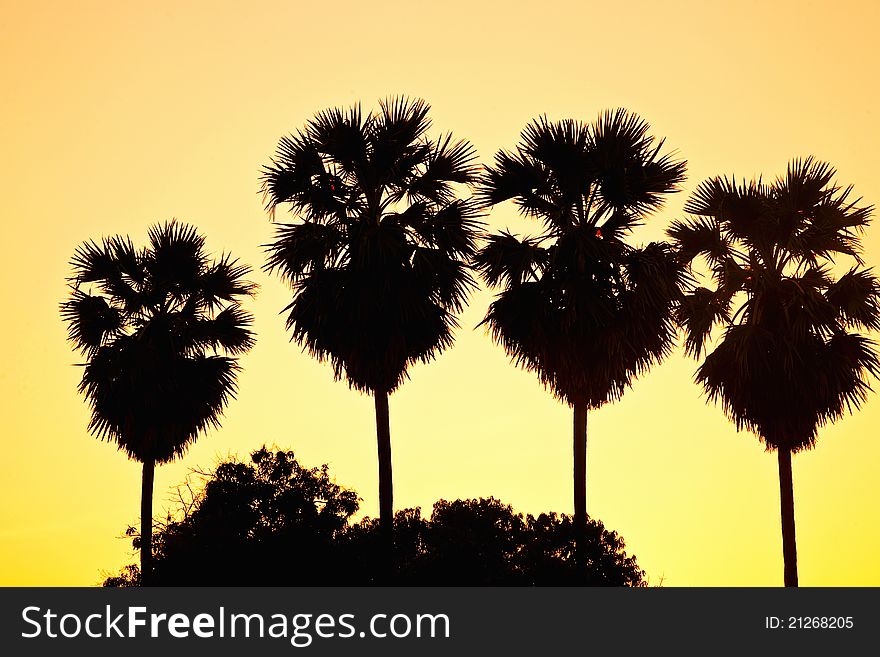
x=377, y=255
x=579, y=306
x=145, y=325
x=787, y=361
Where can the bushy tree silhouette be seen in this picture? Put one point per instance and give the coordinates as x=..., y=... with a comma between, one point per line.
x=146, y=322
x=484, y=542
x=377, y=256
x=274, y=522
x=579, y=306
x=266, y=522
x=789, y=359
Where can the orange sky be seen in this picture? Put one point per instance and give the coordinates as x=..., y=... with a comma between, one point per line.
x=117, y=115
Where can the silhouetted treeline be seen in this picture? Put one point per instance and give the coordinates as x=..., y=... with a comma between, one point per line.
x=385, y=242
x=272, y=521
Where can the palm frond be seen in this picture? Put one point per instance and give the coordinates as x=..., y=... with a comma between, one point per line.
x=447, y=162
x=513, y=176
x=804, y=186
x=116, y=267
x=846, y=362
x=509, y=261
x=176, y=257
x=856, y=296
x=303, y=247
x=708, y=198
x=335, y=134
x=457, y=226
x=700, y=236
x=453, y=228
x=289, y=178
x=698, y=313
x=630, y=171
x=309, y=180
x=90, y=320
x=93, y=262
x=444, y=277
x=654, y=277
x=820, y=242
x=229, y=330
x=619, y=223
x=561, y=148
x=393, y=133
x=224, y=280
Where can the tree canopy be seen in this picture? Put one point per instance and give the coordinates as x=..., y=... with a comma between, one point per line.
x=579, y=306
x=272, y=521
x=161, y=327
x=378, y=251
x=789, y=358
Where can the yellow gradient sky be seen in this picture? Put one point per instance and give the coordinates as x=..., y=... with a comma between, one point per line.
x=117, y=115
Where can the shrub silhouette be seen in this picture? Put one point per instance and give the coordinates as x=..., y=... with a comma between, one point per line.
x=273, y=522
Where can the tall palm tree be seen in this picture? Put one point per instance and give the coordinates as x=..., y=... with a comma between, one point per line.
x=377, y=255
x=146, y=322
x=788, y=360
x=579, y=306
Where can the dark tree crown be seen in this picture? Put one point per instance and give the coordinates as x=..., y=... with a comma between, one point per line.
x=579, y=306
x=789, y=358
x=160, y=328
x=377, y=255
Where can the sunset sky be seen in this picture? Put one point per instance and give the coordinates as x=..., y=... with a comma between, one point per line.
x=117, y=115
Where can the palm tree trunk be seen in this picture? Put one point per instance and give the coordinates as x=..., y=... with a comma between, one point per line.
x=383, y=437
x=786, y=499
x=147, y=523
x=580, y=467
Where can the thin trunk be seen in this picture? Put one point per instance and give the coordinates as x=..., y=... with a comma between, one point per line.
x=786, y=499
x=386, y=493
x=147, y=523
x=580, y=467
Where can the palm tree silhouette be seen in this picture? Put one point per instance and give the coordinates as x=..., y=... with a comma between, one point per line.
x=377, y=257
x=787, y=362
x=580, y=307
x=145, y=326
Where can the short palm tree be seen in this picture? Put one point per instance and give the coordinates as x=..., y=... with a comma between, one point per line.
x=788, y=360
x=579, y=306
x=160, y=328
x=377, y=255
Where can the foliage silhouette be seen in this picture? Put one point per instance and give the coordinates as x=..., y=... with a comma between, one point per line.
x=266, y=521
x=377, y=256
x=484, y=542
x=145, y=325
x=273, y=522
x=578, y=305
x=788, y=360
